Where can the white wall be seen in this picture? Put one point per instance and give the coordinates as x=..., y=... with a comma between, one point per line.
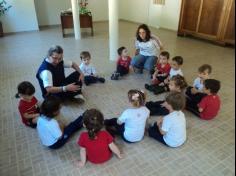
x=20, y=17
x=170, y=14
x=48, y=11
x=134, y=10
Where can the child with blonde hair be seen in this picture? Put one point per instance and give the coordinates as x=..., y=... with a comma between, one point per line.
x=90, y=75
x=131, y=124
x=96, y=145
x=28, y=104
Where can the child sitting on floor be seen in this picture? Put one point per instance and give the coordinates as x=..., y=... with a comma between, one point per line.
x=123, y=63
x=196, y=92
x=176, y=64
x=89, y=70
x=96, y=145
x=52, y=133
x=28, y=105
x=177, y=83
x=209, y=105
x=162, y=70
x=131, y=124
x=171, y=129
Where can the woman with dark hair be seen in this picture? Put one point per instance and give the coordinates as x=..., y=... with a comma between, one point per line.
x=147, y=47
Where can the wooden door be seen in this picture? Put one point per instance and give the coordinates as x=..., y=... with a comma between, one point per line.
x=229, y=35
x=189, y=15
x=211, y=17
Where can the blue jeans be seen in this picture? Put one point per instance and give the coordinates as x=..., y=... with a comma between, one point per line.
x=68, y=131
x=144, y=62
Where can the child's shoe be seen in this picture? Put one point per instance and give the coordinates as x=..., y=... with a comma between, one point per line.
x=149, y=87
x=115, y=76
x=102, y=80
x=159, y=90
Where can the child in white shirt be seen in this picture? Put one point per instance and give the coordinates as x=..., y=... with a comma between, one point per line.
x=196, y=93
x=131, y=124
x=176, y=64
x=89, y=70
x=171, y=129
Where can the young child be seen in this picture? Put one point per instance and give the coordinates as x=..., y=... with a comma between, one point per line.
x=28, y=105
x=209, y=105
x=52, y=133
x=88, y=70
x=131, y=124
x=162, y=70
x=196, y=92
x=177, y=83
x=96, y=145
x=171, y=129
x=123, y=63
x=176, y=64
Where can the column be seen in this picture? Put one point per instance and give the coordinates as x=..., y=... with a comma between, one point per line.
x=76, y=20
x=113, y=28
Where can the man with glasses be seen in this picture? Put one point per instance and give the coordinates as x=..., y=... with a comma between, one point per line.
x=52, y=79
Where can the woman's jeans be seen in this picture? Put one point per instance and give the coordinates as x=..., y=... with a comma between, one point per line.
x=144, y=62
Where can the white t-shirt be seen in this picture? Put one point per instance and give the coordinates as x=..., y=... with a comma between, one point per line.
x=149, y=48
x=175, y=72
x=174, y=124
x=46, y=75
x=48, y=130
x=197, y=84
x=135, y=121
x=87, y=69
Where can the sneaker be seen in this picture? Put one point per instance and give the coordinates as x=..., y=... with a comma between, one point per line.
x=117, y=75
x=80, y=97
x=159, y=90
x=102, y=80
x=148, y=87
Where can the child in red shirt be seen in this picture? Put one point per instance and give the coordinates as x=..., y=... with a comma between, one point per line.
x=209, y=105
x=123, y=63
x=162, y=70
x=28, y=105
x=96, y=145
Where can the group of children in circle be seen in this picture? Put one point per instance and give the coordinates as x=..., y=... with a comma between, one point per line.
x=97, y=143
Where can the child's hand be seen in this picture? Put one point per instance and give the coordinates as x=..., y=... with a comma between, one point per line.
x=120, y=156
x=166, y=81
x=194, y=90
x=161, y=84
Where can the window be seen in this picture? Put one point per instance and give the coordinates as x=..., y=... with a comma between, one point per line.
x=161, y=2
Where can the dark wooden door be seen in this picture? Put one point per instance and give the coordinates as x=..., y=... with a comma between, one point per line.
x=211, y=17
x=191, y=9
x=230, y=27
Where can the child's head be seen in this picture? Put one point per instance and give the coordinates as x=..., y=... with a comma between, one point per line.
x=177, y=83
x=25, y=90
x=211, y=86
x=136, y=97
x=175, y=101
x=122, y=51
x=93, y=121
x=176, y=63
x=164, y=57
x=204, y=71
x=85, y=57
x=50, y=106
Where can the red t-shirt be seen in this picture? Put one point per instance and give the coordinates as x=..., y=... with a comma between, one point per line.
x=28, y=107
x=124, y=63
x=165, y=69
x=97, y=150
x=210, y=105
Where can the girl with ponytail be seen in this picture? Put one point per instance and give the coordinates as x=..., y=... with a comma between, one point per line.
x=131, y=124
x=96, y=145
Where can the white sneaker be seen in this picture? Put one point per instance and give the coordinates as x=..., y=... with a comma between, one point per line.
x=80, y=97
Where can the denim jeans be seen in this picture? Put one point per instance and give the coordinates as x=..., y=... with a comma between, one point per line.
x=68, y=131
x=144, y=62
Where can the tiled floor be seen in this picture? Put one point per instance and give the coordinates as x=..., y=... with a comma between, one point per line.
x=210, y=147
